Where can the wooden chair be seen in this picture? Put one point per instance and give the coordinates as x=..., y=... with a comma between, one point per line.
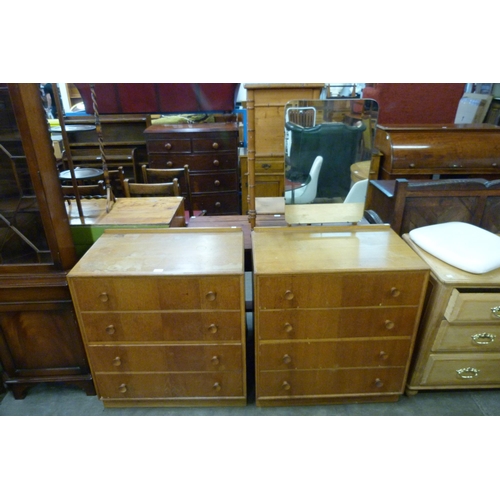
x=88, y=191
x=154, y=175
x=132, y=189
x=116, y=179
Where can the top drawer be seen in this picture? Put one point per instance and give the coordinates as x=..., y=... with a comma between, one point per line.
x=470, y=306
x=146, y=294
x=340, y=290
x=223, y=142
x=169, y=146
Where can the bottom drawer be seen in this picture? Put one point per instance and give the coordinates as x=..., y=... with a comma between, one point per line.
x=330, y=382
x=170, y=385
x=217, y=203
x=462, y=370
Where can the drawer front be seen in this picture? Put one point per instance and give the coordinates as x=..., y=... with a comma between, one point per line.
x=162, y=358
x=157, y=327
x=330, y=382
x=217, y=204
x=333, y=354
x=169, y=146
x=452, y=337
x=337, y=323
x=211, y=162
x=222, y=181
x=170, y=385
x=473, y=307
x=269, y=166
x=340, y=290
x=166, y=293
x=462, y=370
x=222, y=142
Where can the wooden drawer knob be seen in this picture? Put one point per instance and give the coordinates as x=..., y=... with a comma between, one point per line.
x=110, y=329
x=216, y=163
x=383, y=355
x=217, y=182
x=213, y=328
x=215, y=360
x=289, y=295
x=378, y=383
x=117, y=361
x=288, y=328
x=170, y=164
x=217, y=204
x=395, y=292
x=123, y=388
x=215, y=145
x=389, y=324
x=287, y=359
x=104, y=297
x=168, y=146
x=286, y=386
x=211, y=296
x=217, y=387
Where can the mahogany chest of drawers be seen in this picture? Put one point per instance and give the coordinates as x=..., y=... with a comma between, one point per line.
x=459, y=339
x=211, y=152
x=162, y=316
x=336, y=314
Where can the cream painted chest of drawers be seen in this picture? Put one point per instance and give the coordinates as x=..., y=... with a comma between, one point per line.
x=162, y=316
x=459, y=337
x=336, y=313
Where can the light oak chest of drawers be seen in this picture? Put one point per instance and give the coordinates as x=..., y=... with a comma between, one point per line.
x=162, y=316
x=336, y=314
x=459, y=337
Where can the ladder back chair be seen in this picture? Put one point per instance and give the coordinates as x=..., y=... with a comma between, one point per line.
x=132, y=189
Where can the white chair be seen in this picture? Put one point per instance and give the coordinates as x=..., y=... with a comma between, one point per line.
x=357, y=193
x=307, y=192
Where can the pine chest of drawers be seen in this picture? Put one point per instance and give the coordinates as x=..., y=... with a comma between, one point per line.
x=162, y=316
x=336, y=314
x=459, y=337
x=211, y=152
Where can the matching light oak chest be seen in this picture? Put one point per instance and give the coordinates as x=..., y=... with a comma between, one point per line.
x=459, y=338
x=162, y=316
x=336, y=313
x=211, y=152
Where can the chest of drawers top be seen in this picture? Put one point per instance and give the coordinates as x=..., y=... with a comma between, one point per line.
x=315, y=249
x=157, y=253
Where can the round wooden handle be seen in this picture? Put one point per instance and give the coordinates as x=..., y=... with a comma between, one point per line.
x=213, y=328
x=103, y=297
x=286, y=386
x=110, y=329
x=217, y=204
x=211, y=296
x=117, y=361
x=389, y=324
x=289, y=295
x=123, y=388
x=168, y=146
x=288, y=327
x=395, y=292
x=217, y=387
x=217, y=182
x=287, y=359
x=378, y=382
x=215, y=145
x=216, y=163
x=383, y=355
x=215, y=360
x=169, y=164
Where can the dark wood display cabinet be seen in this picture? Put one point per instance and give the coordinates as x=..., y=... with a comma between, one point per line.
x=40, y=339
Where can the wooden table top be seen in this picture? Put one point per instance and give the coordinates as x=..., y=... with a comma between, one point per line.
x=125, y=211
x=324, y=213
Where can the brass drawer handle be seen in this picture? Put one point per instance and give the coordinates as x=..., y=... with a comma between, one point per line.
x=211, y=296
x=110, y=329
x=213, y=328
x=117, y=361
x=123, y=388
x=266, y=165
x=395, y=292
x=289, y=295
x=215, y=145
x=483, y=338
x=286, y=386
x=468, y=373
x=104, y=297
x=168, y=146
x=389, y=324
x=287, y=359
x=288, y=327
x=496, y=311
x=217, y=387
x=215, y=360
